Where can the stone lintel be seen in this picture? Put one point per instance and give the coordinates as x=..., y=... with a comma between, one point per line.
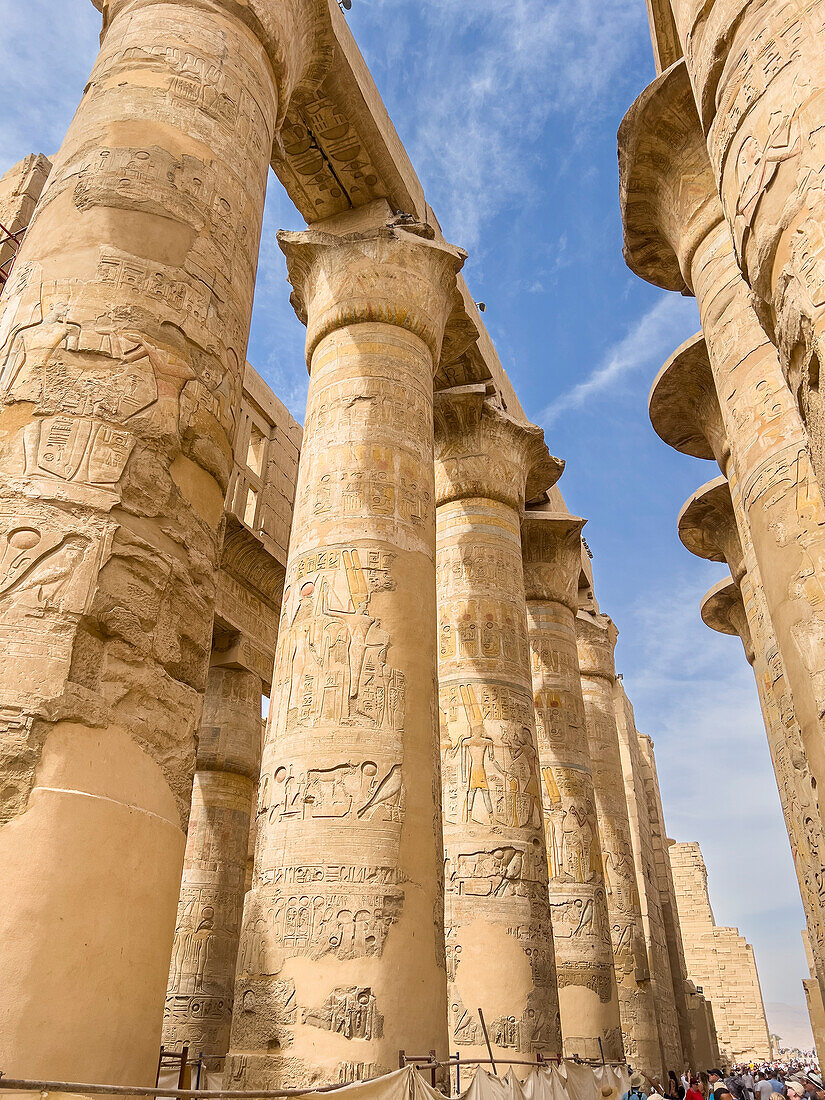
x=395, y=274
x=663, y=34
x=551, y=552
x=707, y=526
x=482, y=451
x=667, y=194
x=683, y=404
x=722, y=610
x=596, y=634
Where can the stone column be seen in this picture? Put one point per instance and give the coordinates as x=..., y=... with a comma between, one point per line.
x=758, y=77
x=342, y=954
x=596, y=636
x=708, y=528
x=676, y=236
x=122, y=340
x=589, y=1007
x=639, y=812
x=685, y=411
x=202, y=971
x=499, y=936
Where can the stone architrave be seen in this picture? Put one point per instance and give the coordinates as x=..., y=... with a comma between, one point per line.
x=758, y=79
x=588, y=1003
x=708, y=528
x=208, y=927
x=676, y=237
x=685, y=412
x=342, y=950
x=498, y=929
x=596, y=638
x=122, y=343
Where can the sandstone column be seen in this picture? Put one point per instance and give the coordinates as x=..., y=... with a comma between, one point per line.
x=707, y=527
x=122, y=340
x=676, y=236
x=342, y=953
x=205, y=951
x=499, y=935
x=685, y=411
x=596, y=637
x=758, y=78
x=589, y=1008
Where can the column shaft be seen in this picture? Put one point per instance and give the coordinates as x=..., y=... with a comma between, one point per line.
x=500, y=954
x=122, y=339
x=205, y=950
x=588, y=1001
x=596, y=638
x=757, y=75
x=771, y=480
x=342, y=957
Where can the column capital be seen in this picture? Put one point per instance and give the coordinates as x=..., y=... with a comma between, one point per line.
x=296, y=35
x=707, y=526
x=684, y=406
x=392, y=274
x=596, y=636
x=551, y=551
x=723, y=610
x=481, y=451
x=668, y=195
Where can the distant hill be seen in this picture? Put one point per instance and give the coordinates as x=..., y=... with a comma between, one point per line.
x=791, y=1023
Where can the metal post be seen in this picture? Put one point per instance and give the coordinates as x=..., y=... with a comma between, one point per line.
x=487, y=1041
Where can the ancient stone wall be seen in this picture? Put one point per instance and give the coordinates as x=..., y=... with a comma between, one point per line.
x=720, y=961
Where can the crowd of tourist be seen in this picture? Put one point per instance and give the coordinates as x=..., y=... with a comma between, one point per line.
x=763, y=1081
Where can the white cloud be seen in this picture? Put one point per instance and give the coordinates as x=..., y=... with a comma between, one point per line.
x=472, y=83
x=648, y=342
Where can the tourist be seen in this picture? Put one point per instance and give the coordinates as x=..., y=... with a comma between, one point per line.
x=675, y=1089
x=777, y=1084
x=717, y=1082
x=636, y=1088
x=748, y=1081
x=692, y=1092
x=795, y=1090
x=763, y=1087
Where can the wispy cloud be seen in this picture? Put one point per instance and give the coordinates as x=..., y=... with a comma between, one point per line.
x=647, y=343
x=473, y=83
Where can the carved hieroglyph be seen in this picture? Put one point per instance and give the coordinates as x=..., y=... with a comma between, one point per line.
x=596, y=636
x=589, y=1008
x=122, y=341
x=683, y=990
x=498, y=930
x=205, y=950
x=342, y=953
x=641, y=836
x=676, y=236
x=759, y=80
x=708, y=527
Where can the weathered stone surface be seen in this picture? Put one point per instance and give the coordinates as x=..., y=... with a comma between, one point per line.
x=757, y=76
x=596, y=639
x=721, y=962
x=348, y=876
x=674, y=220
x=683, y=990
x=204, y=953
x=20, y=190
x=122, y=343
x=641, y=837
x=551, y=550
x=498, y=932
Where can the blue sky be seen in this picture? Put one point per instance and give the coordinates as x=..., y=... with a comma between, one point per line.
x=509, y=110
